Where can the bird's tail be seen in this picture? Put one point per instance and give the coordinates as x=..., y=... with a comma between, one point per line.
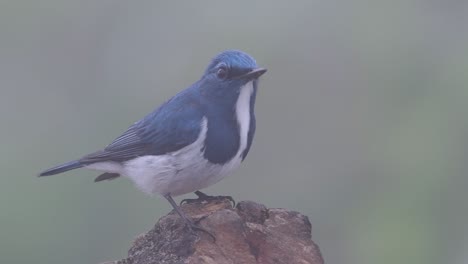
x=62, y=168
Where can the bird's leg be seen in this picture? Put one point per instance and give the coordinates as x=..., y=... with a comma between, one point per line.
x=193, y=227
x=205, y=197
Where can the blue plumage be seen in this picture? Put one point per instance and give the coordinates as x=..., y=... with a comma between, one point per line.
x=191, y=141
x=171, y=127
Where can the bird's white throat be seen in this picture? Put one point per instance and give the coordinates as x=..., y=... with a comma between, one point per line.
x=243, y=115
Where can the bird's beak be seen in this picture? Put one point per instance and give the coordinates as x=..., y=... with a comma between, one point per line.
x=253, y=74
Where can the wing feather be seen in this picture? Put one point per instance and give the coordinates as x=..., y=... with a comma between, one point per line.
x=173, y=126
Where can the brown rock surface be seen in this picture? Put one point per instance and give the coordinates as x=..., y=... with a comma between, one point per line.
x=249, y=233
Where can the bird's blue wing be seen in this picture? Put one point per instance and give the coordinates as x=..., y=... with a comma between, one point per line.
x=173, y=126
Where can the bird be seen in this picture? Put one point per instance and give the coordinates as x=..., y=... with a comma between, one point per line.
x=191, y=141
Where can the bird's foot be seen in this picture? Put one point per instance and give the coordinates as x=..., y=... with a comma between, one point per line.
x=193, y=227
x=202, y=197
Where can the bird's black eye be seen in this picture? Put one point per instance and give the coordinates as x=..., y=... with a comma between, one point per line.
x=222, y=72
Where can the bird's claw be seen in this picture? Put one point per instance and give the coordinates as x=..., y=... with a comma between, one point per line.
x=204, y=197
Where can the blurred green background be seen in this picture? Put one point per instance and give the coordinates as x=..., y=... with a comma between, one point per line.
x=362, y=120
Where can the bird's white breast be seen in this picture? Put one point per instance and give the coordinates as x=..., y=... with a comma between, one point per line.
x=185, y=170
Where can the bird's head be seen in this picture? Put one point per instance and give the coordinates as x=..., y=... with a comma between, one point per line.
x=228, y=72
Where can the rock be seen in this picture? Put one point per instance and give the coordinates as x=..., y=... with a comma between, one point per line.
x=249, y=233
